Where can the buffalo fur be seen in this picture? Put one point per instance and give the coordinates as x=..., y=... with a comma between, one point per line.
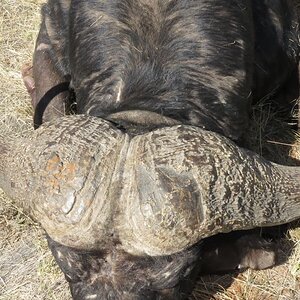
x=200, y=62
x=190, y=60
x=115, y=274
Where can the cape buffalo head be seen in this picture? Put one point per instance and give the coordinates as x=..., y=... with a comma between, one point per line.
x=94, y=187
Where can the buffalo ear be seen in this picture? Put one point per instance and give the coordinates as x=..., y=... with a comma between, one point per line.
x=236, y=251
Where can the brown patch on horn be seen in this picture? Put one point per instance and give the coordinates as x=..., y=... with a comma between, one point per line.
x=62, y=176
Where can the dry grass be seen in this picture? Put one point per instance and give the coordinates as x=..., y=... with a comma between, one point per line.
x=27, y=269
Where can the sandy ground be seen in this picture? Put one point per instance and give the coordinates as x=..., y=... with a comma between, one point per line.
x=27, y=269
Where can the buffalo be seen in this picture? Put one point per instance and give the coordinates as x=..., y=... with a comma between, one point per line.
x=151, y=163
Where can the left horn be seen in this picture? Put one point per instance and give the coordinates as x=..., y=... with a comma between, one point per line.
x=61, y=175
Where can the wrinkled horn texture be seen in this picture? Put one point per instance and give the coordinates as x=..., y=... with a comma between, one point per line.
x=62, y=177
x=159, y=192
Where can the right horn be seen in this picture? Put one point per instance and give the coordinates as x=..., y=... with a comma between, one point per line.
x=183, y=184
